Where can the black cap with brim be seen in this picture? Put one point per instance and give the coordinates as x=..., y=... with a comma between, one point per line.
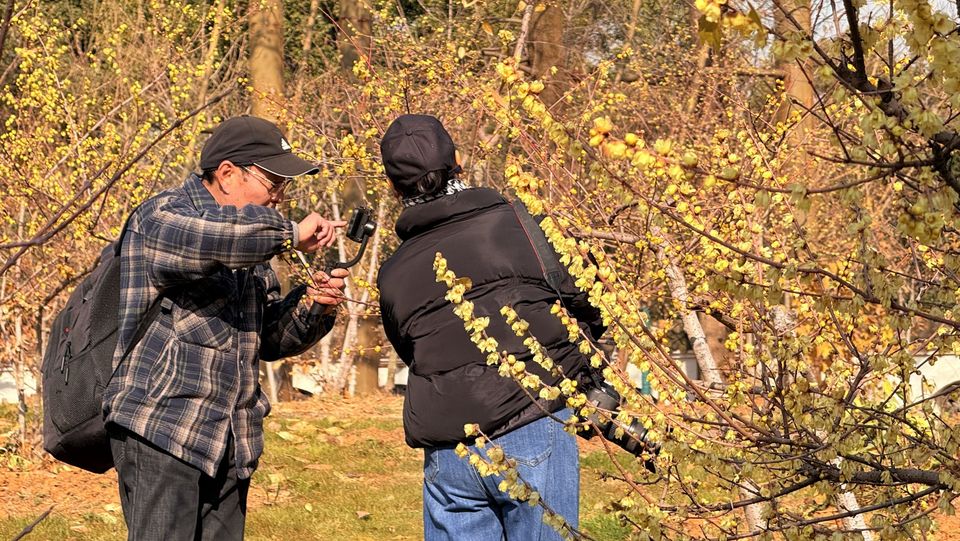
x=415, y=145
x=287, y=165
x=246, y=140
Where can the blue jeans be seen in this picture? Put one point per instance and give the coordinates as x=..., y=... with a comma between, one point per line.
x=459, y=504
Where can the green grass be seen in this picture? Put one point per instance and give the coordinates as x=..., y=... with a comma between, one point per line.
x=341, y=475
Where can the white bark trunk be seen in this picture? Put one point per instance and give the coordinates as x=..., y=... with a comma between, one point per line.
x=347, y=354
x=272, y=382
x=708, y=365
x=691, y=324
x=20, y=373
x=524, y=30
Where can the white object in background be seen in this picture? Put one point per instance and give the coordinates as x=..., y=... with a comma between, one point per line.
x=8, y=386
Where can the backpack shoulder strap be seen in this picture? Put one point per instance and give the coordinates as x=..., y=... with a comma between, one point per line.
x=123, y=232
x=161, y=303
x=549, y=263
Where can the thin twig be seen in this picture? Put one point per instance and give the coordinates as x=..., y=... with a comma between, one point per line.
x=33, y=524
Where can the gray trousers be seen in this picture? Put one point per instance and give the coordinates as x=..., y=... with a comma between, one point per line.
x=164, y=498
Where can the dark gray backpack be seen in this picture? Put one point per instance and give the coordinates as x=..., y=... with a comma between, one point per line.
x=78, y=365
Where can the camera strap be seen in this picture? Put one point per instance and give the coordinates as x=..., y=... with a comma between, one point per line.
x=549, y=264
x=553, y=271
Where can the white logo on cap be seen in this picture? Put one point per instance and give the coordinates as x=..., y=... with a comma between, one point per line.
x=284, y=144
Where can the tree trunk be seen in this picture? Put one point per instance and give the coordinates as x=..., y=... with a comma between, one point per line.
x=305, y=47
x=708, y=365
x=266, y=78
x=392, y=362
x=20, y=373
x=19, y=367
x=368, y=360
x=348, y=355
x=546, y=51
x=354, y=35
x=716, y=333
x=800, y=94
x=266, y=57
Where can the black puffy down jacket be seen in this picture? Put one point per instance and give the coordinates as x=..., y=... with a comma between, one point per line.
x=449, y=383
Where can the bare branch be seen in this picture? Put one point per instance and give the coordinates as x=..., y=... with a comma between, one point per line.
x=7, y=18
x=29, y=528
x=52, y=227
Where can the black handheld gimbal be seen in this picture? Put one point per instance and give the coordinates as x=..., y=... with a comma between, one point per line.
x=359, y=229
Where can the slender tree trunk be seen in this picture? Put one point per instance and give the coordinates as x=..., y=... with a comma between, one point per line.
x=325, y=370
x=547, y=52
x=708, y=365
x=348, y=354
x=213, y=50
x=20, y=377
x=704, y=54
x=354, y=36
x=392, y=361
x=266, y=57
x=691, y=324
x=628, y=40
x=800, y=93
x=19, y=368
x=524, y=32
x=5, y=24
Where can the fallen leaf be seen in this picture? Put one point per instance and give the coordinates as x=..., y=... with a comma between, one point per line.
x=107, y=518
x=301, y=426
x=284, y=435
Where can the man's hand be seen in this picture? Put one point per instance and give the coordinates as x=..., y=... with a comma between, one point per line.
x=330, y=292
x=317, y=232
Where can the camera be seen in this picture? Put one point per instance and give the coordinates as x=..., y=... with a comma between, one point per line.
x=361, y=224
x=633, y=439
x=359, y=228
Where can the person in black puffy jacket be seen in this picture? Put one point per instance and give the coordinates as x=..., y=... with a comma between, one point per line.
x=450, y=384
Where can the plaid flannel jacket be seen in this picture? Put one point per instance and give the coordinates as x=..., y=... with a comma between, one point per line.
x=193, y=377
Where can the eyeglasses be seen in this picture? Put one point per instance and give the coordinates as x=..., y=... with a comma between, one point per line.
x=270, y=185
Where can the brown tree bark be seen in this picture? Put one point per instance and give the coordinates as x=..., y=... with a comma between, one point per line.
x=354, y=35
x=796, y=84
x=266, y=78
x=368, y=359
x=704, y=55
x=266, y=57
x=546, y=51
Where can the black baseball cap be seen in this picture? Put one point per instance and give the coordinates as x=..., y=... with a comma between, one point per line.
x=249, y=140
x=415, y=145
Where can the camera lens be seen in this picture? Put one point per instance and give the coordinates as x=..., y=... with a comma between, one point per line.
x=633, y=439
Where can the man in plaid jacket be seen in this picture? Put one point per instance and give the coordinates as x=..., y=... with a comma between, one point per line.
x=185, y=409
